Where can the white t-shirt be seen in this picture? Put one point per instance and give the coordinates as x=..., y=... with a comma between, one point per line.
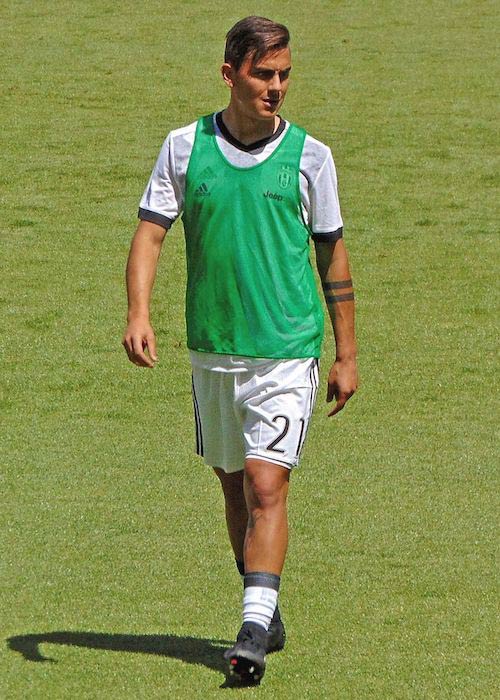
x=163, y=199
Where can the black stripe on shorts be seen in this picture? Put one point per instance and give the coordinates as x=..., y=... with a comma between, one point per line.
x=314, y=381
x=199, y=434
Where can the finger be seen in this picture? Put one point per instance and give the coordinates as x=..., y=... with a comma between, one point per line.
x=330, y=392
x=342, y=399
x=139, y=360
x=151, y=341
x=127, y=344
x=142, y=361
x=139, y=356
x=338, y=406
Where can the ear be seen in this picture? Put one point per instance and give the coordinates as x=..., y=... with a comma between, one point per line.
x=227, y=73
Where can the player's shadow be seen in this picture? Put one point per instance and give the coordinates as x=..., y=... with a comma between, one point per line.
x=192, y=650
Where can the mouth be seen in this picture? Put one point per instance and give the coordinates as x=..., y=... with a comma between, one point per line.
x=272, y=104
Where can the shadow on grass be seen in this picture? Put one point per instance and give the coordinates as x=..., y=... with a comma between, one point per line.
x=207, y=652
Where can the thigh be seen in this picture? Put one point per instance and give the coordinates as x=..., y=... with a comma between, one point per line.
x=277, y=411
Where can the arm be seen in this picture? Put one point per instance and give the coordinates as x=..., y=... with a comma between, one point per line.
x=141, y=271
x=333, y=268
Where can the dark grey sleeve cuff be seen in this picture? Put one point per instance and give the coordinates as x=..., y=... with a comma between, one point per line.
x=328, y=237
x=155, y=218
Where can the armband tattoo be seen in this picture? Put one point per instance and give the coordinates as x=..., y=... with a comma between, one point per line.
x=342, y=284
x=336, y=298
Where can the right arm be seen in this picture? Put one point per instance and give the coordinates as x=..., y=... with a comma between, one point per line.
x=141, y=271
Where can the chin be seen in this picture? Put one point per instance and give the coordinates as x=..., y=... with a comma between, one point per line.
x=262, y=115
x=269, y=113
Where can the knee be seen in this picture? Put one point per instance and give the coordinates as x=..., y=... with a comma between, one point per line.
x=263, y=496
x=264, y=491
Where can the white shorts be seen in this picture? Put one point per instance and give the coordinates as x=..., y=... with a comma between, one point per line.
x=259, y=408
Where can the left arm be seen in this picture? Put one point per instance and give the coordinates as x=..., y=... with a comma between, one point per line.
x=333, y=268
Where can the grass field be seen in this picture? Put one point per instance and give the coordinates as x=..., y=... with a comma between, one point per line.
x=116, y=578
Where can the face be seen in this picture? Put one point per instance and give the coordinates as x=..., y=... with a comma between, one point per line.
x=258, y=90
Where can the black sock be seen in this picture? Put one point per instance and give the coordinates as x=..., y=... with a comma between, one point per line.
x=241, y=566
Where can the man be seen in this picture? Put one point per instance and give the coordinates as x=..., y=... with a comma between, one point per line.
x=253, y=190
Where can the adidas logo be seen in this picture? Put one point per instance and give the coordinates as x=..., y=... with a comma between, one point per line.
x=202, y=190
x=272, y=195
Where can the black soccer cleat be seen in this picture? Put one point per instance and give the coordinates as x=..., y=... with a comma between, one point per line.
x=276, y=636
x=247, y=659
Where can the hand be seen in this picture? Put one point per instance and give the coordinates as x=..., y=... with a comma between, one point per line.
x=139, y=337
x=342, y=383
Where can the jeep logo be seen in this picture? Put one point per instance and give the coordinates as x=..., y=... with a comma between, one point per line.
x=273, y=195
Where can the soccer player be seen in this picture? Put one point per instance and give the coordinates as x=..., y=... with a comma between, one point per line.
x=253, y=189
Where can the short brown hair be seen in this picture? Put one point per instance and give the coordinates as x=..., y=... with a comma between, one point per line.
x=254, y=37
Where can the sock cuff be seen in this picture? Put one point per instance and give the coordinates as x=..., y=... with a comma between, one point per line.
x=241, y=566
x=263, y=579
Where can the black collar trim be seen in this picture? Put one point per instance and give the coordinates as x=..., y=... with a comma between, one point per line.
x=251, y=146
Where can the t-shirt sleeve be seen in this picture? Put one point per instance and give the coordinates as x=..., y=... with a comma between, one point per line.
x=162, y=200
x=320, y=200
x=325, y=217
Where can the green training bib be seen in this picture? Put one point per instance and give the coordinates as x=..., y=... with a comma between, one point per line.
x=250, y=288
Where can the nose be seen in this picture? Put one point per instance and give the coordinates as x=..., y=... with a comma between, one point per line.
x=275, y=83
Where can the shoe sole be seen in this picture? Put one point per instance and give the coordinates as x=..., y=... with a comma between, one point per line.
x=246, y=667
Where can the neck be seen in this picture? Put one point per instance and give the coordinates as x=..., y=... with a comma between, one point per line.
x=247, y=130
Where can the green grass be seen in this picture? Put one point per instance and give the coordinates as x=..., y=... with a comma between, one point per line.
x=115, y=559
